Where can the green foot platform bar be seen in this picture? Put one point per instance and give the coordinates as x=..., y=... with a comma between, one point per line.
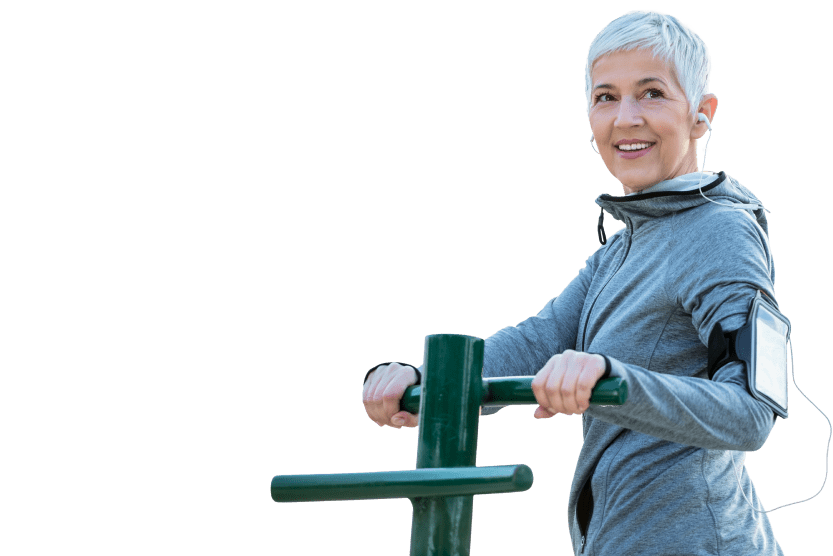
x=442, y=487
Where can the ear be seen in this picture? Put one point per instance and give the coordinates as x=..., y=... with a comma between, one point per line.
x=708, y=106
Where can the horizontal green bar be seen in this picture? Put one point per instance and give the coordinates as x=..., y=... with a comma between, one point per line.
x=442, y=481
x=517, y=390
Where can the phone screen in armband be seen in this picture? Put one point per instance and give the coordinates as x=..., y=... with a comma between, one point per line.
x=762, y=345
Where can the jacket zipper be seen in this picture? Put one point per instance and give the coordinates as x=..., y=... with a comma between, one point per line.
x=585, y=529
x=584, y=508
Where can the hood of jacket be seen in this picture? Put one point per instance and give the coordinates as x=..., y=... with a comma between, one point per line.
x=646, y=206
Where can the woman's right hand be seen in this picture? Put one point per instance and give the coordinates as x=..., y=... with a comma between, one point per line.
x=382, y=392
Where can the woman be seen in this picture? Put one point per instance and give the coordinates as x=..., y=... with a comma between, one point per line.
x=656, y=475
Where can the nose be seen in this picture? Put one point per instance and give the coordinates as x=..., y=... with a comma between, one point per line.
x=630, y=113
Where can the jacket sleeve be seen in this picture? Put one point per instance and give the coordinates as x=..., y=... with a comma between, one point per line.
x=716, y=282
x=523, y=349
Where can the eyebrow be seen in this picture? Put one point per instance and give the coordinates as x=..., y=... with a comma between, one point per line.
x=639, y=83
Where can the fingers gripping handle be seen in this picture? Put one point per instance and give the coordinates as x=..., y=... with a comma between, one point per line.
x=517, y=390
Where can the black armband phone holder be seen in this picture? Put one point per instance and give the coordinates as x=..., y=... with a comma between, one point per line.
x=761, y=343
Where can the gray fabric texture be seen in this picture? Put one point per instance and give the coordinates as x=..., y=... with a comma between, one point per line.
x=659, y=466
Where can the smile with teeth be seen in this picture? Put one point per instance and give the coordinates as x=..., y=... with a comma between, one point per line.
x=634, y=146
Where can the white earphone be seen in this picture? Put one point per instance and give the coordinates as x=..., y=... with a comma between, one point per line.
x=703, y=118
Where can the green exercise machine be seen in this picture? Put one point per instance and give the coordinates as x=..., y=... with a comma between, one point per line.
x=442, y=487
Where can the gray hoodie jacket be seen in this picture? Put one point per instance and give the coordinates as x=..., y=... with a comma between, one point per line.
x=655, y=475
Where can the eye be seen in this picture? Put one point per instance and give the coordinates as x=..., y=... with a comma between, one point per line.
x=653, y=94
x=604, y=97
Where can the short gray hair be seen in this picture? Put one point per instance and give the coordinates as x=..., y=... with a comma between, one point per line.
x=667, y=38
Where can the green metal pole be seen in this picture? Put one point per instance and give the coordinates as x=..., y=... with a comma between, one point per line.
x=448, y=417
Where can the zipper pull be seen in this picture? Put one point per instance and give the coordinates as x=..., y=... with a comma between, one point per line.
x=583, y=542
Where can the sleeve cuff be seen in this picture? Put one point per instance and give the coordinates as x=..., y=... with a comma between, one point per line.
x=419, y=375
x=607, y=365
x=607, y=368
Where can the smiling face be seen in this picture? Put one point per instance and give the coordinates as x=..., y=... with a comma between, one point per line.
x=641, y=119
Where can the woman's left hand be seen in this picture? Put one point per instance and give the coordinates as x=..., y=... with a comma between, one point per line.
x=565, y=383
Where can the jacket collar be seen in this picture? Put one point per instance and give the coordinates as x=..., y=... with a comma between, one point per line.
x=647, y=206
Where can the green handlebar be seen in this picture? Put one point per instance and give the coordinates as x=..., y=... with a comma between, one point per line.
x=517, y=390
